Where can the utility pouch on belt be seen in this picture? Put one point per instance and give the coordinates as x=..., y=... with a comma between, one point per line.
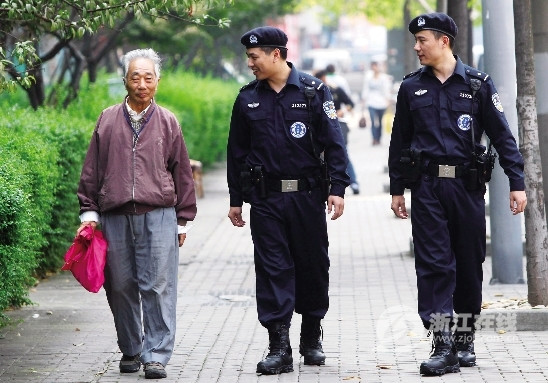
x=472, y=180
x=250, y=178
x=245, y=182
x=410, y=166
x=325, y=181
x=257, y=178
x=482, y=161
x=480, y=173
x=485, y=163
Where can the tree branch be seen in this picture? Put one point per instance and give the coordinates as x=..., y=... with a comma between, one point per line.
x=61, y=43
x=425, y=5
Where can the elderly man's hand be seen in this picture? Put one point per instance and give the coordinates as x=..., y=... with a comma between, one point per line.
x=93, y=225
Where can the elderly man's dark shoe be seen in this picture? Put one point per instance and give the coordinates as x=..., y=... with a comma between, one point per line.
x=130, y=363
x=155, y=370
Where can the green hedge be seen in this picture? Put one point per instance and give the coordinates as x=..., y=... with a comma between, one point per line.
x=17, y=258
x=41, y=155
x=28, y=177
x=203, y=111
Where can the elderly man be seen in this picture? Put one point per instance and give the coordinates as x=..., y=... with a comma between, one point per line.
x=137, y=183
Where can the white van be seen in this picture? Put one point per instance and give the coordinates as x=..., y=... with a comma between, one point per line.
x=317, y=59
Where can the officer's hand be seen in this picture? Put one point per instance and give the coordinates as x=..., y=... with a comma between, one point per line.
x=93, y=225
x=182, y=238
x=335, y=204
x=398, y=206
x=235, y=215
x=518, y=201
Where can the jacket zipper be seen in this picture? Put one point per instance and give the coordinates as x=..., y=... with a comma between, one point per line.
x=133, y=178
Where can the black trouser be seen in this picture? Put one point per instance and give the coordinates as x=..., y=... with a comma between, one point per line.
x=289, y=232
x=449, y=244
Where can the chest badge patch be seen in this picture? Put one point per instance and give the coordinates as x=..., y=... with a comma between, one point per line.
x=298, y=129
x=496, y=101
x=463, y=122
x=253, y=105
x=420, y=92
x=329, y=109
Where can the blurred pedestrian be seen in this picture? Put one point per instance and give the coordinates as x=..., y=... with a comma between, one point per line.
x=336, y=79
x=377, y=86
x=343, y=105
x=281, y=123
x=442, y=111
x=137, y=183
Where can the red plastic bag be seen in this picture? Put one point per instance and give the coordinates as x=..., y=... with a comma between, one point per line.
x=86, y=258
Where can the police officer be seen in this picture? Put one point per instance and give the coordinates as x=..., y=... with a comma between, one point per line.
x=442, y=111
x=281, y=124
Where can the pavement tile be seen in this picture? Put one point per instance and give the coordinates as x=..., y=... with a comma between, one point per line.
x=371, y=332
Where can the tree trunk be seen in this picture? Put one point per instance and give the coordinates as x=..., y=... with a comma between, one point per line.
x=97, y=47
x=35, y=92
x=410, y=57
x=458, y=10
x=441, y=6
x=78, y=67
x=540, y=43
x=536, y=246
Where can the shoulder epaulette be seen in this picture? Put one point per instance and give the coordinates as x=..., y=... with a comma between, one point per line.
x=248, y=85
x=476, y=73
x=310, y=80
x=411, y=74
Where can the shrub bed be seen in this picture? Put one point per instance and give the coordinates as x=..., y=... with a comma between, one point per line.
x=41, y=154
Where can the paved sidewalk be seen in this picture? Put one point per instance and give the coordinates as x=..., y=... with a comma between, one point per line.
x=371, y=332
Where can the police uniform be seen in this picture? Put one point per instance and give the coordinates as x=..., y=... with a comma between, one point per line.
x=277, y=131
x=448, y=220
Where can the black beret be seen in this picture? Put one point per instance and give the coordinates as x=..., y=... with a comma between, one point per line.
x=264, y=37
x=436, y=22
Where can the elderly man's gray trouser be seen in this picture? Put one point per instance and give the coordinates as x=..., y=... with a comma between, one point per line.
x=141, y=272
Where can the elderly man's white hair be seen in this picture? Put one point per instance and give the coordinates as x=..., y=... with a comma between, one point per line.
x=141, y=53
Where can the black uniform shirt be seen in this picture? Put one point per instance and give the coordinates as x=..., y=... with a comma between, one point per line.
x=438, y=118
x=273, y=130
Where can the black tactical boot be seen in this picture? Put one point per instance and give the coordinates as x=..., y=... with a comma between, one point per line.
x=444, y=356
x=464, y=343
x=311, y=344
x=279, y=358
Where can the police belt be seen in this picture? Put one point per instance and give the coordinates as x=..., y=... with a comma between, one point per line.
x=446, y=171
x=288, y=185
